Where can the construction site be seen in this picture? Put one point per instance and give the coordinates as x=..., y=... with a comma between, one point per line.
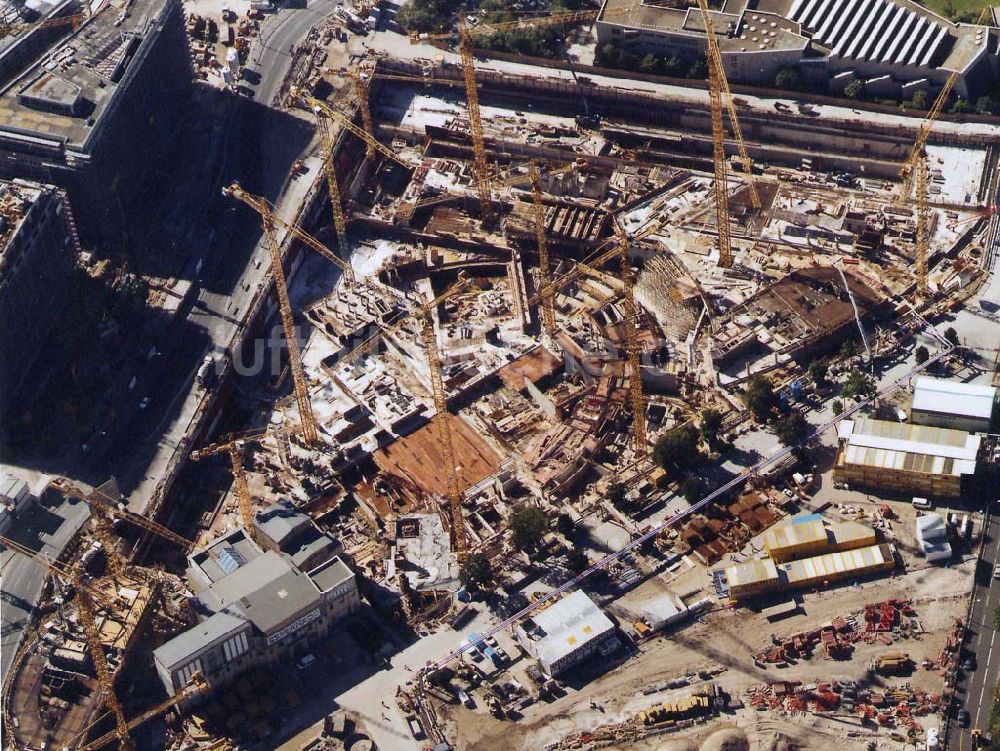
x=506, y=288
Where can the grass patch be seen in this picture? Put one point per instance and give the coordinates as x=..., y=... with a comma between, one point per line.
x=957, y=10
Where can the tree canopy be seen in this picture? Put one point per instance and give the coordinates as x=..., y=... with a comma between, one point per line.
x=476, y=572
x=792, y=428
x=760, y=397
x=677, y=448
x=528, y=526
x=711, y=424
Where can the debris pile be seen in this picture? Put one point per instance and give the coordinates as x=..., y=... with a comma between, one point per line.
x=892, y=708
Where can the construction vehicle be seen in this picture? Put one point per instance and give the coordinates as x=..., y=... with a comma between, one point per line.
x=301, y=387
x=588, y=120
x=891, y=663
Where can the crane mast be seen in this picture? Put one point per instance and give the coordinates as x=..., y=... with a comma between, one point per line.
x=88, y=619
x=458, y=539
x=333, y=186
x=232, y=449
x=632, y=348
x=923, y=227
x=479, y=166
x=548, y=304
x=301, y=387
x=306, y=416
x=725, y=241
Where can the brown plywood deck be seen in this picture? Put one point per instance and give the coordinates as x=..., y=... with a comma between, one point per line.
x=417, y=457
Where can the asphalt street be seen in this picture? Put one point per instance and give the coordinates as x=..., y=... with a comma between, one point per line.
x=45, y=529
x=975, y=688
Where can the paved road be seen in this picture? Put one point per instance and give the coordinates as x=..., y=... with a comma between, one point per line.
x=975, y=689
x=47, y=529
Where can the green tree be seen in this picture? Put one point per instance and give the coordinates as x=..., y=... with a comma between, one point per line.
x=577, y=561
x=951, y=335
x=996, y=619
x=616, y=494
x=528, y=526
x=607, y=56
x=837, y=407
x=859, y=385
x=711, y=424
x=649, y=64
x=920, y=99
x=760, y=397
x=566, y=525
x=921, y=354
x=476, y=572
x=848, y=348
x=698, y=70
x=818, y=370
x=792, y=428
x=789, y=78
x=854, y=90
x=960, y=107
x=677, y=449
x=692, y=489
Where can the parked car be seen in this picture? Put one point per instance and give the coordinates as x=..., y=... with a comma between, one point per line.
x=996, y=571
x=305, y=662
x=969, y=664
x=964, y=720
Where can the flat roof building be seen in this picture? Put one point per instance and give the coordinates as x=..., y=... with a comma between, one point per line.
x=763, y=576
x=38, y=252
x=810, y=536
x=905, y=458
x=565, y=633
x=889, y=43
x=93, y=113
x=259, y=608
x=951, y=404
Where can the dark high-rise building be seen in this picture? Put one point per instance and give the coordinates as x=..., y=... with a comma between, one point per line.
x=94, y=113
x=38, y=250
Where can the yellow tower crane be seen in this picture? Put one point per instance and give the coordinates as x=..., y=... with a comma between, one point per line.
x=466, y=50
x=232, y=446
x=196, y=686
x=301, y=387
x=633, y=350
x=719, y=96
x=105, y=506
x=15, y=28
x=433, y=354
x=88, y=619
x=544, y=268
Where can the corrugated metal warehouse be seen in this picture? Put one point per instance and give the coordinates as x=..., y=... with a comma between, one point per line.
x=763, y=576
x=810, y=536
x=920, y=459
x=951, y=404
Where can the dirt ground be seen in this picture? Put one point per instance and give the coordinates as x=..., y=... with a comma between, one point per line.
x=724, y=640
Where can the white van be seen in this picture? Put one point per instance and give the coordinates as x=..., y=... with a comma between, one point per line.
x=922, y=503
